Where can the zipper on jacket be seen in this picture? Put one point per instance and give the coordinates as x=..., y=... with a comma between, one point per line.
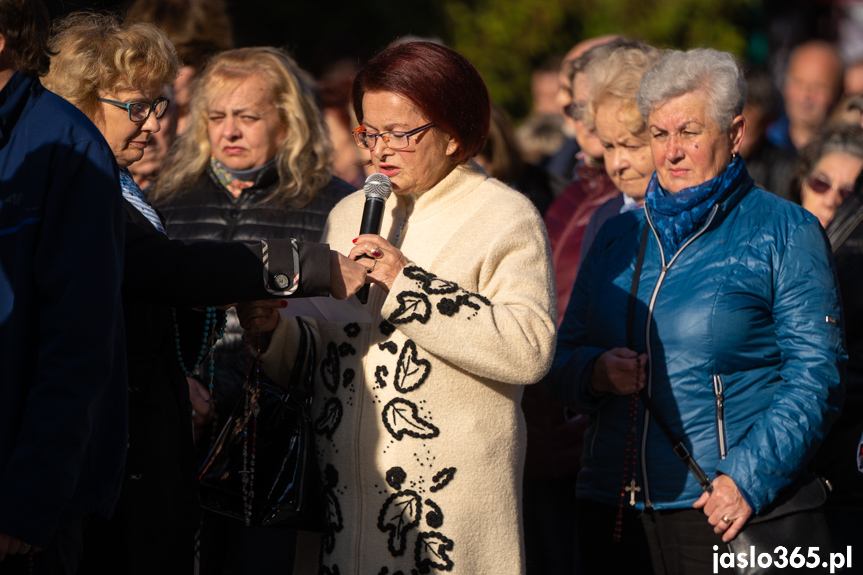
x=720, y=414
x=663, y=272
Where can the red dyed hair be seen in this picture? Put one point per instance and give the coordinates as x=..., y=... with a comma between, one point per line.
x=441, y=83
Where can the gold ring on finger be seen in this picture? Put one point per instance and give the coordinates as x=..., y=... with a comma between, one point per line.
x=728, y=520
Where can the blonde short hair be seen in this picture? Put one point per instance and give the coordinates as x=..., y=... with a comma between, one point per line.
x=305, y=159
x=616, y=78
x=96, y=53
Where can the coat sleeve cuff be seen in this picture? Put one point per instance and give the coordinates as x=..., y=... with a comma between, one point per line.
x=748, y=485
x=293, y=268
x=314, y=269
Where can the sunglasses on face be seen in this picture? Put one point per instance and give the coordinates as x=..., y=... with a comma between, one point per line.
x=821, y=185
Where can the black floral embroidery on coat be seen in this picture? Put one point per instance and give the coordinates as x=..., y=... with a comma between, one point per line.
x=412, y=306
x=401, y=417
x=352, y=329
x=442, y=478
x=395, y=477
x=334, y=509
x=411, y=372
x=346, y=348
x=330, y=371
x=429, y=282
x=380, y=373
x=447, y=307
x=330, y=417
x=434, y=518
x=347, y=377
x=386, y=328
x=431, y=552
x=450, y=307
x=389, y=346
x=401, y=512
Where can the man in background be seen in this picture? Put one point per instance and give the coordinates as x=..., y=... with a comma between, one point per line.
x=813, y=85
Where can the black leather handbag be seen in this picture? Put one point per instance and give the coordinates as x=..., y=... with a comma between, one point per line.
x=262, y=468
x=795, y=520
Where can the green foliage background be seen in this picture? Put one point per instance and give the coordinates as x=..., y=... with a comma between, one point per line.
x=505, y=39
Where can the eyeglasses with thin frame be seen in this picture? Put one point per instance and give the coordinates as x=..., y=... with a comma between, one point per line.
x=140, y=111
x=393, y=140
x=820, y=185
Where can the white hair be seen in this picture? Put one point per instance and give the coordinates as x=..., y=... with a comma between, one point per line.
x=716, y=74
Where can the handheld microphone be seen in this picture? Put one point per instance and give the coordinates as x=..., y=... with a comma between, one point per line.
x=377, y=188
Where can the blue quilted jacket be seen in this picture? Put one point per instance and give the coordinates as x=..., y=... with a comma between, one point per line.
x=743, y=331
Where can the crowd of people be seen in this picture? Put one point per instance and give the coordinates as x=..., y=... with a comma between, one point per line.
x=669, y=249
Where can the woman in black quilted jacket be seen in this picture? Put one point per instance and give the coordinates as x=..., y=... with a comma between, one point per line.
x=255, y=162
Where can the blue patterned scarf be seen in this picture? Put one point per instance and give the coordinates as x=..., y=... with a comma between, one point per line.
x=678, y=216
x=135, y=196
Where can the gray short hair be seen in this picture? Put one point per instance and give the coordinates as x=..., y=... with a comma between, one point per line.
x=715, y=73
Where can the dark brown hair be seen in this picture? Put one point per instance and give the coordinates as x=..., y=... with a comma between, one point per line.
x=441, y=83
x=26, y=26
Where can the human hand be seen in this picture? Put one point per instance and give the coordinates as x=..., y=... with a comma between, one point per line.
x=383, y=261
x=260, y=316
x=725, y=508
x=12, y=546
x=620, y=371
x=202, y=412
x=346, y=276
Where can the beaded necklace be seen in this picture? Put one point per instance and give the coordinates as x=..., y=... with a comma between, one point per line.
x=251, y=409
x=214, y=329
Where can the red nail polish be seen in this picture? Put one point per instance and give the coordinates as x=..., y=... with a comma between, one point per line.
x=284, y=303
x=355, y=240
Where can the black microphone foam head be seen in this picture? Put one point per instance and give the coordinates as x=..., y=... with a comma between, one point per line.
x=378, y=186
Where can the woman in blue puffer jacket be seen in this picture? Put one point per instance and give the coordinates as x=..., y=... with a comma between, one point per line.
x=737, y=331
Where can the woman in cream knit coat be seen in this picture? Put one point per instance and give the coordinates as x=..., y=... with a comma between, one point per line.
x=420, y=434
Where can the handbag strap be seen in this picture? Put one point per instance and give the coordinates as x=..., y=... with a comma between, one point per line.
x=302, y=375
x=677, y=444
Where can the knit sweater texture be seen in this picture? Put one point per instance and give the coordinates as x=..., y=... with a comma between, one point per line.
x=420, y=436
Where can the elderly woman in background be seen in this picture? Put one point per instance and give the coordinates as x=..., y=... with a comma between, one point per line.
x=827, y=169
x=420, y=435
x=728, y=330
x=567, y=217
x=621, y=130
x=114, y=73
x=255, y=162
x=824, y=183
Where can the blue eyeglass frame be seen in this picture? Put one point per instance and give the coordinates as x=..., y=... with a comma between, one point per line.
x=128, y=107
x=362, y=130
